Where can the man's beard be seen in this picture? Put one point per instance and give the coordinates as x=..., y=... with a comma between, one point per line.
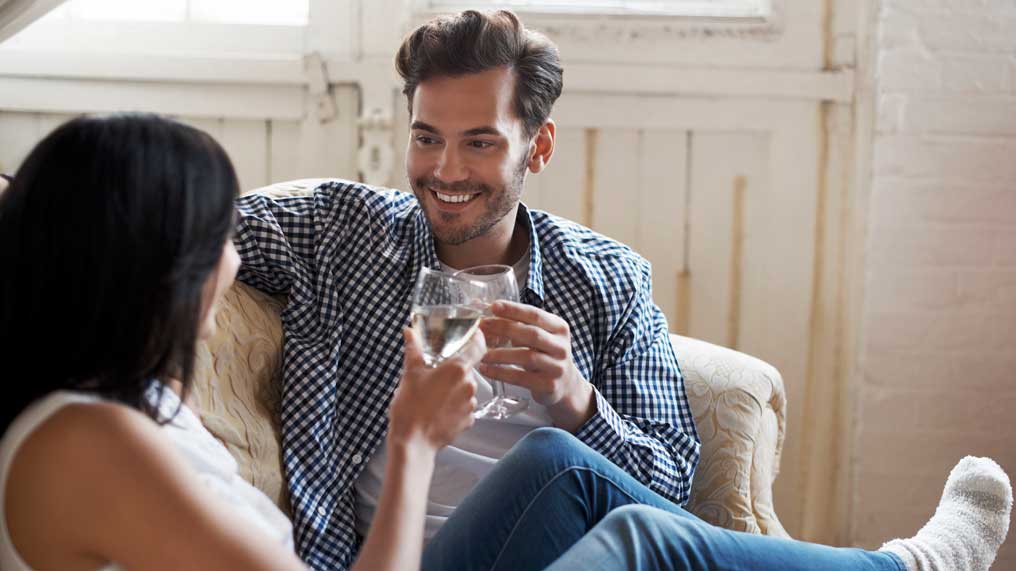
x=497, y=208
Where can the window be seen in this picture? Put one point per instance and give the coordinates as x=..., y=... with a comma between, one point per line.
x=266, y=12
x=169, y=28
x=688, y=8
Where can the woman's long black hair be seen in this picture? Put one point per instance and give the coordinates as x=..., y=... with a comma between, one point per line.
x=107, y=236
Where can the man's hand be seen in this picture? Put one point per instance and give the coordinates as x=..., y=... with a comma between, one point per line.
x=542, y=361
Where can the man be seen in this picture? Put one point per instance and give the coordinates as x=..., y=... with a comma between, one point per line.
x=588, y=344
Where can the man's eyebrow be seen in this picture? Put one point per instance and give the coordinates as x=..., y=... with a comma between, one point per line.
x=485, y=130
x=481, y=131
x=421, y=126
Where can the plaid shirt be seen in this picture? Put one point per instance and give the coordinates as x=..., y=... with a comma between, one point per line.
x=348, y=256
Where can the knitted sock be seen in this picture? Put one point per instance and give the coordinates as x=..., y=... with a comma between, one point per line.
x=969, y=525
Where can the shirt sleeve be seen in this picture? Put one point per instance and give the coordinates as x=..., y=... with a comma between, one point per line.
x=276, y=240
x=643, y=422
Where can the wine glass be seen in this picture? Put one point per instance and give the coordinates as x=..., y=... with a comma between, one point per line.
x=446, y=311
x=500, y=285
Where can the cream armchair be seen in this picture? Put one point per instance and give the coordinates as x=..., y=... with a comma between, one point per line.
x=738, y=403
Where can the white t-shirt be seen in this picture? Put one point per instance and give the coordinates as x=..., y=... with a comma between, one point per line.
x=209, y=459
x=461, y=465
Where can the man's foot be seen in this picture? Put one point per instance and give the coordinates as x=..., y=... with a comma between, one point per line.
x=969, y=525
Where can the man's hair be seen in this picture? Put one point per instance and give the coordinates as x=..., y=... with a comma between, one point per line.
x=473, y=42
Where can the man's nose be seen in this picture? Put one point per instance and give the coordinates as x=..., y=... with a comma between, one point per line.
x=451, y=168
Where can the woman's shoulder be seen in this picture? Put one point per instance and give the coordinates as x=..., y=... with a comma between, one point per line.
x=73, y=469
x=83, y=428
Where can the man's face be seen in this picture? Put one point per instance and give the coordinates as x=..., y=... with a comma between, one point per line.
x=467, y=157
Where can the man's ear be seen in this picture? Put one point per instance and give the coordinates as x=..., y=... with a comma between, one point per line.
x=542, y=146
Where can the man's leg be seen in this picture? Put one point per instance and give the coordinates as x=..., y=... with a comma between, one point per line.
x=543, y=496
x=643, y=538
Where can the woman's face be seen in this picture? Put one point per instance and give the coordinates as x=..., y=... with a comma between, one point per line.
x=216, y=285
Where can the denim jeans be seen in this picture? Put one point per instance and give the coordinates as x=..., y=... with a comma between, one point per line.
x=554, y=503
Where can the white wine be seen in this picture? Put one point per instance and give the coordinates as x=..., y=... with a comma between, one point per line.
x=444, y=329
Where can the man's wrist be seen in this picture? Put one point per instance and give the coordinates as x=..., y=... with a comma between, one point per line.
x=575, y=409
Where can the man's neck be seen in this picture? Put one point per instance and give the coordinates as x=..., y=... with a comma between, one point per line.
x=505, y=243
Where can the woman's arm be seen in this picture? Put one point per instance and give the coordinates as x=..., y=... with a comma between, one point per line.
x=431, y=407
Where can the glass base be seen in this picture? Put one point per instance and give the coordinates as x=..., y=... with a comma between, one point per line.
x=501, y=407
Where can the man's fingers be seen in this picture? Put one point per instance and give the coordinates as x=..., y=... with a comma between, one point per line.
x=512, y=376
x=523, y=357
x=520, y=334
x=530, y=315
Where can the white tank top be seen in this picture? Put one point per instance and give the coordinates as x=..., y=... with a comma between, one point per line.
x=209, y=459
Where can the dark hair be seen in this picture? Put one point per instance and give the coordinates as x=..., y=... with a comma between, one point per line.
x=107, y=236
x=473, y=42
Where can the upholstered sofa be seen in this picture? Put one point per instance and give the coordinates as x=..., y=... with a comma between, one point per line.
x=738, y=402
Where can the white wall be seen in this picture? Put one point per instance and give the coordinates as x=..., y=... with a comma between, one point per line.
x=938, y=359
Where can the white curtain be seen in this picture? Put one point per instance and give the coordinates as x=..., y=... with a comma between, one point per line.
x=16, y=14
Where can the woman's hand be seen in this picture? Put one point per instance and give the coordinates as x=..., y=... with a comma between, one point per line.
x=433, y=405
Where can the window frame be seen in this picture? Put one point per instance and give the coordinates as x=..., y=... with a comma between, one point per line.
x=538, y=11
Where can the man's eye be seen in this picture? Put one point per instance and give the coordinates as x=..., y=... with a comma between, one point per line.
x=481, y=144
x=425, y=140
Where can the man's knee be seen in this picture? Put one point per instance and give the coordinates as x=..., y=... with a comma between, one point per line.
x=643, y=521
x=548, y=446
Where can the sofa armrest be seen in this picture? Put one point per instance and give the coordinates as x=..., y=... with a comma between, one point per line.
x=739, y=406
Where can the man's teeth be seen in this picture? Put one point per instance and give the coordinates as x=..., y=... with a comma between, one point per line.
x=454, y=197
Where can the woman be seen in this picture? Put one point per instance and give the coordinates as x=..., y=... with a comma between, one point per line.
x=115, y=243
x=115, y=235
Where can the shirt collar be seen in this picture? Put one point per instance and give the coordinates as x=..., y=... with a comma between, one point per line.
x=532, y=293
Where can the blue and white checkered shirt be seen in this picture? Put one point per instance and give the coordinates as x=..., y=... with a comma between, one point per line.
x=348, y=256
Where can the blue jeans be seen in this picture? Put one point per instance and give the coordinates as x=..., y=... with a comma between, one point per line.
x=554, y=503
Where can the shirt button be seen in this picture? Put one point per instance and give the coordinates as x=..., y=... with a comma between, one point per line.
x=322, y=511
x=357, y=459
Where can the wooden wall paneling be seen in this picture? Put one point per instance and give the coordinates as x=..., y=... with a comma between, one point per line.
x=246, y=141
x=48, y=122
x=19, y=132
x=196, y=99
x=563, y=182
x=615, y=189
x=790, y=258
x=717, y=161
x=284, y=151
x=210, y=125
x=329, y=149
x=344, y=132
x=661, y=200
x=400, y=139
x=750, y=208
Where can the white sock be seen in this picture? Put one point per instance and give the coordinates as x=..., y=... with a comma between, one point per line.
x=969, y=525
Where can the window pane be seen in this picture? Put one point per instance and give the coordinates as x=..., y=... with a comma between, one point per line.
x=134, y=10
x=273, y=12
x=710, y=8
